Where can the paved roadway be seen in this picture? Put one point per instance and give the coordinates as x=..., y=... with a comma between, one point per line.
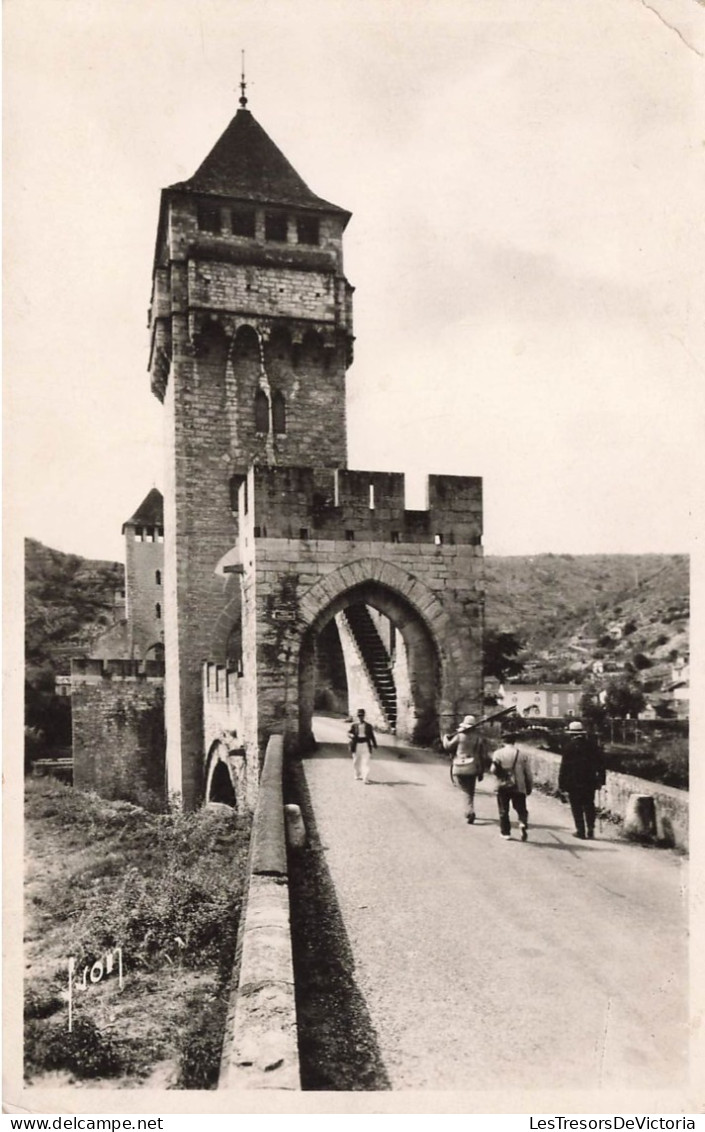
x=562, y=961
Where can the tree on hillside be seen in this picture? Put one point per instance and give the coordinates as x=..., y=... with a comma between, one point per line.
x=624, y=698
x=592, y=712
x=47, y=716
x=500, y=654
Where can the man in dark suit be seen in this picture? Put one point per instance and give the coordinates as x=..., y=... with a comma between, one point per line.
x=582, y=773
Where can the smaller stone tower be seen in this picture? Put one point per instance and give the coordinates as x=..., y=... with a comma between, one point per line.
x=144, y=570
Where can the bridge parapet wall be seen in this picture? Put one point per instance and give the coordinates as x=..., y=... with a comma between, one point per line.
x=260, y=1050
x=344, y=505
x=671, y=805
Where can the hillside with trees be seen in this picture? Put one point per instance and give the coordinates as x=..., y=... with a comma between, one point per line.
x=566, y=611
x=69, y=601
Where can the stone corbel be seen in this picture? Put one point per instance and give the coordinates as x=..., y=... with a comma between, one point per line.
x=160, y=372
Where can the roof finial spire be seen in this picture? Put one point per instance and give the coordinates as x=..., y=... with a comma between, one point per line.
x=243, y=84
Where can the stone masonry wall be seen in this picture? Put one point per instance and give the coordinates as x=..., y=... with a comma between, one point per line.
x=203, y=532
x=298, y=294
x=118, y=734
x=311, y=379
x=405, y=704
x=331, y=684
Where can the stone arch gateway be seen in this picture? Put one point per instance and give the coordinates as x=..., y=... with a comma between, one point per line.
x=422, y=660
x=292, y=587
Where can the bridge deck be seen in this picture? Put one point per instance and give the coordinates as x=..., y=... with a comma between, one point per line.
x=486, y=963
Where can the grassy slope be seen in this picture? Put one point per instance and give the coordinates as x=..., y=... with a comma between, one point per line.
x=168, y=890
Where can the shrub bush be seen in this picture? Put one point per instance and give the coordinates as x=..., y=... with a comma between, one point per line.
x=42, y=1000
x=85, y=1052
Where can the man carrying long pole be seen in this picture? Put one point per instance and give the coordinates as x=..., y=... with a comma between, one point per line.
x=470, y=750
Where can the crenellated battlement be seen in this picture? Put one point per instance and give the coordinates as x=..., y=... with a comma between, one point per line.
x=344, y=505
x=92, y=671
x=220, y=683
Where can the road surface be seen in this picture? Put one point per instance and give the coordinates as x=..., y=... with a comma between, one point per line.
x=485, y=962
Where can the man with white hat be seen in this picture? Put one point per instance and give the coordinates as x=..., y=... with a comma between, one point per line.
x=582, y=773
x=470, y=750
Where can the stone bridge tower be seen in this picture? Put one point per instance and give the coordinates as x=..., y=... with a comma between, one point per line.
x=266, y=533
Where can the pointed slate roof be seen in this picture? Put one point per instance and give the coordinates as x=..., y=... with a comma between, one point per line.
x=246, y=163
x=150, y=512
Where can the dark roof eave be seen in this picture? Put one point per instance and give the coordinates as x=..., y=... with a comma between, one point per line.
x=316, y=204
x=149, y=513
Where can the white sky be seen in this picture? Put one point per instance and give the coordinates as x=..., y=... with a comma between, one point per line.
x=526, y=180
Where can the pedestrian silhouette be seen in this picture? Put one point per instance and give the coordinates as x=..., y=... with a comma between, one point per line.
x=470, y=752
x=582, y=772
x=512, y=769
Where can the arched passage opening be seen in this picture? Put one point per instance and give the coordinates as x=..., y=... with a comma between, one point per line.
x=221, y=787
x=418, y=709
x=225, y=769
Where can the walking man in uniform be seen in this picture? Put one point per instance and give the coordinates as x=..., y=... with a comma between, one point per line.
x=361, y=740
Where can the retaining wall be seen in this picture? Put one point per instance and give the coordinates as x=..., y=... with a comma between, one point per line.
x=671, y=804
x=260, y=1049
x=117, y=709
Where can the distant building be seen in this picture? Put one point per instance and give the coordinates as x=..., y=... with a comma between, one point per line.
x=649, y=711
x=545, y=700
x=677, y=689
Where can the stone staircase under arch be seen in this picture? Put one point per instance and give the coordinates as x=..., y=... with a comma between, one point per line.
x=375, y=658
